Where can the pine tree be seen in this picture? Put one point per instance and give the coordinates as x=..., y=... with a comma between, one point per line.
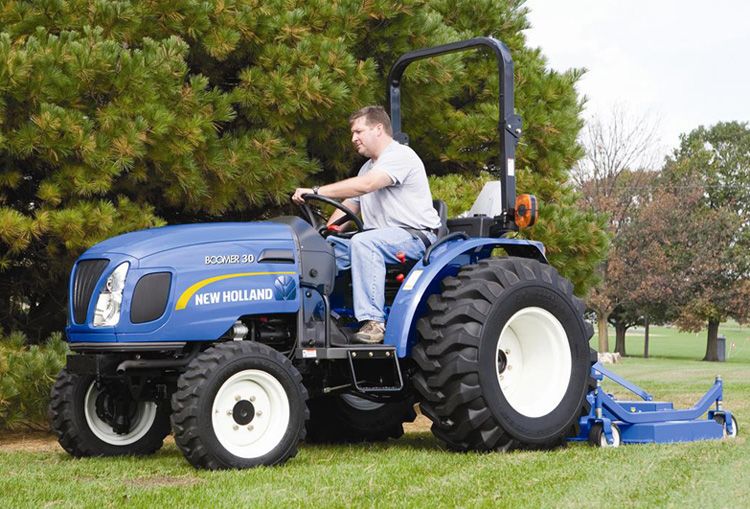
x=116, y=116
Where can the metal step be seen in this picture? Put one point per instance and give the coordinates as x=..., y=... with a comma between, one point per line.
x=375, y=369
x=342, y=352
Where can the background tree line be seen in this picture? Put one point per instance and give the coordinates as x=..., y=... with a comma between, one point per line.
x=122, y=115
x=680, y=227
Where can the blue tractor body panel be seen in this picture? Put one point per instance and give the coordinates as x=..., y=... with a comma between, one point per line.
x=143, y=243
x=215, y=276
x=424, y=280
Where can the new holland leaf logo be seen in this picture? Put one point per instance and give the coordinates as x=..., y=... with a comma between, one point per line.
x=284, y=288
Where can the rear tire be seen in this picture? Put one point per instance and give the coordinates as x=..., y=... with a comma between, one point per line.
x=503, y=357
x=79, y=415
x=239, y=405
x=344, y=418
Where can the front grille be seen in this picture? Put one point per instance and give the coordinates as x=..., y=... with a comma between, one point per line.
x=87, y=275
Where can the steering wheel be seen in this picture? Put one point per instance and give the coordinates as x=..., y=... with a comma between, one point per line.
x=311, y=214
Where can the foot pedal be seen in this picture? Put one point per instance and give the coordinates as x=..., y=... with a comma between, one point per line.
x=375, y=369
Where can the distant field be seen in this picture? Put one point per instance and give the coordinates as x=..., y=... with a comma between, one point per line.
x=671, y=343
x=416, y=471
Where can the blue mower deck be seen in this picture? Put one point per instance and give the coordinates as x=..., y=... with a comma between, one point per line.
x=649, y=421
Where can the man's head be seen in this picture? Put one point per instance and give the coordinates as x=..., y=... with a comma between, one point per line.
x=371, y=130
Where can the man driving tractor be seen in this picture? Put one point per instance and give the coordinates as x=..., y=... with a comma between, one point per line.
x=392, y=194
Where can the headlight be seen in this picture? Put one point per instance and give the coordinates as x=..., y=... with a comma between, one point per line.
x=108, y=305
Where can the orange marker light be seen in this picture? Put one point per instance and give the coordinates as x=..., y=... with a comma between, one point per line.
x=526, y=210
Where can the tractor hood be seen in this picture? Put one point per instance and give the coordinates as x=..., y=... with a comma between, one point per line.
x=193, y=282
x=144, y=243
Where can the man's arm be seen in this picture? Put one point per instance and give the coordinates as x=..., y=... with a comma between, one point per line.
x=337, y=214
x=349, y=188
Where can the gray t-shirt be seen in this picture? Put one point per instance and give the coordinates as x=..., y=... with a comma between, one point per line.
x=407, y=202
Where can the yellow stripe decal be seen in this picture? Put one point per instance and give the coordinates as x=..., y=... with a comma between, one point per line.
x=187, y=294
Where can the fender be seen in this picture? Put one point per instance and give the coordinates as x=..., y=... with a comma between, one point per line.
x=423, y=280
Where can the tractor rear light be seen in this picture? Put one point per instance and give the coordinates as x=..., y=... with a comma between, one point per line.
x=526, y=210
x=107, y=312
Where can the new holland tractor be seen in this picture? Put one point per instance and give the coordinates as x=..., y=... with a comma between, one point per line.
x=236, y=336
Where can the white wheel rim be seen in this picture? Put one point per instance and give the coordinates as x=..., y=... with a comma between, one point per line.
x=141, y=422
x=360, y=403
x=533, y=362
x=255, y=395
x=733, y=434
x=615, y=438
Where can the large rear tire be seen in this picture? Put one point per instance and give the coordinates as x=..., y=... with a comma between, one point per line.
x=503, y=357
x=239, y=405
x=81, y=415
x=346, y=418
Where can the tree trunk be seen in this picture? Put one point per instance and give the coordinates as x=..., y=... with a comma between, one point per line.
x=620, y=330
x=713, y=332
x=5, y=312
x=603, y=332
x=645, y=337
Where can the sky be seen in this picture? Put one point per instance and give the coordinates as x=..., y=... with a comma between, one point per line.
x=678, y=63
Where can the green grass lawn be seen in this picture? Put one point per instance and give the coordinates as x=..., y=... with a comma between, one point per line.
x=416, y=472
x=670, y=343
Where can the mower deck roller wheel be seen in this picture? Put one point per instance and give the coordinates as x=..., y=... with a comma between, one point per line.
x=503, y=356
x=721, y=419
x=81, y=414
x=239, y=405
x=597, y=437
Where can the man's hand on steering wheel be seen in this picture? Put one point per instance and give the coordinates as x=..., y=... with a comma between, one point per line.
x=297, y=196
x=300, y=197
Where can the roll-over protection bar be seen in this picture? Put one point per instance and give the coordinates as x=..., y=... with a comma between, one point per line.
x=509, y=125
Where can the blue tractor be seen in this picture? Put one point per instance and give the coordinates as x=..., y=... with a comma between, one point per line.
x=236, y=336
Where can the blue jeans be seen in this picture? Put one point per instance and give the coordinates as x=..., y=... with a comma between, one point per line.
x=366, y=254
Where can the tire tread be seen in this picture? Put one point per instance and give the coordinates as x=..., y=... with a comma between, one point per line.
x=62, y=412
x=447, y=353
x=186, y=400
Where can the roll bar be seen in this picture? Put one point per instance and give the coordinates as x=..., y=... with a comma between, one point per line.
x=509, y=125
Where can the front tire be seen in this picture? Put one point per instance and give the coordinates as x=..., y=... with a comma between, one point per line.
x=239, y=405
x=503, y=357
x=81, y=416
